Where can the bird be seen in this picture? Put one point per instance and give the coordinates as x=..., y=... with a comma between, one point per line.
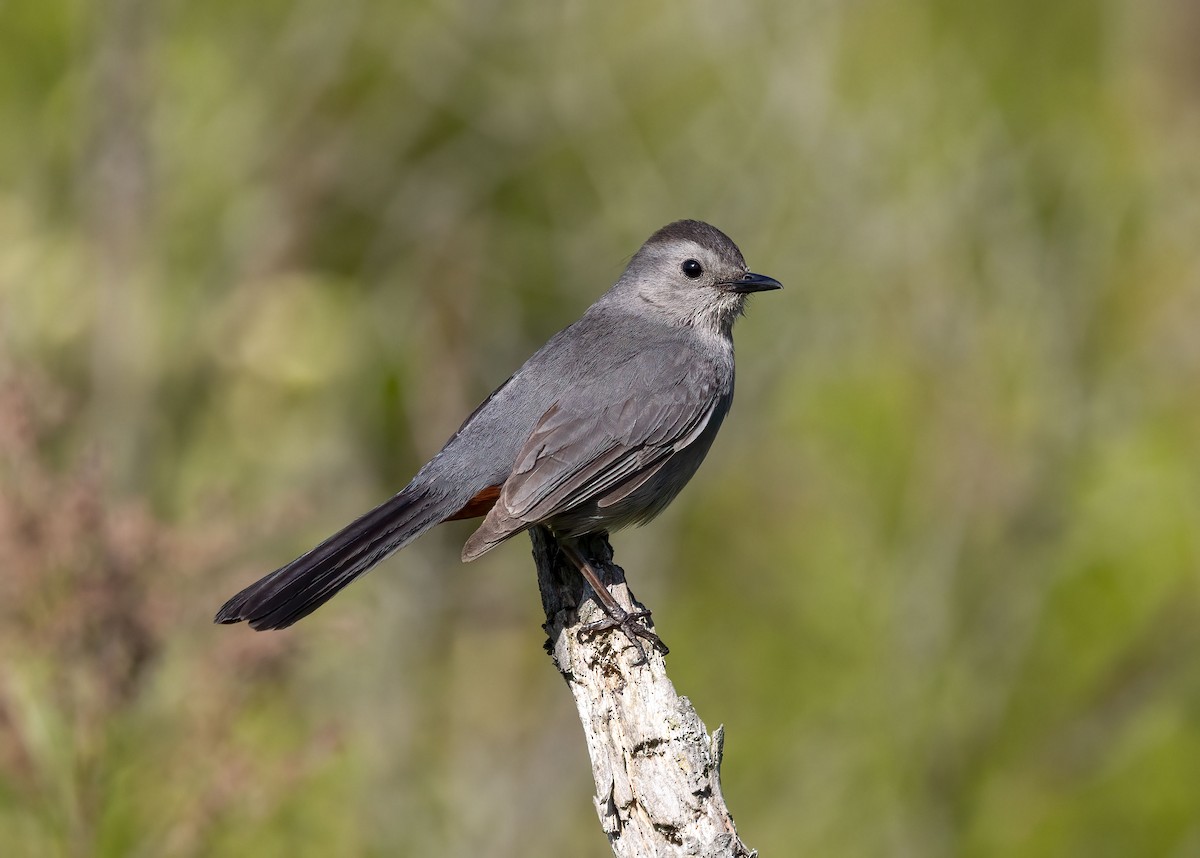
x=598, y=430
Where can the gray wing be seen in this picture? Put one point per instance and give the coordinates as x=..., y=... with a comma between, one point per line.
x=569, y=461
x=585, y=450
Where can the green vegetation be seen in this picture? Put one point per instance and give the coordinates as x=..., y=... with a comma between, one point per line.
x=940, y=576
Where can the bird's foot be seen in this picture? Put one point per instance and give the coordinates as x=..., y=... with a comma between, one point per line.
x=627, y=622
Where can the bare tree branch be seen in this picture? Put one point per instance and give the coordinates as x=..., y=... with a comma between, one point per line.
x=657, y=770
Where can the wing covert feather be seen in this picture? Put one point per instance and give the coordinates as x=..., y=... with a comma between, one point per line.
x=580, y=452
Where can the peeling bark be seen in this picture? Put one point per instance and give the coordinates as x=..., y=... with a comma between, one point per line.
x=657, y=770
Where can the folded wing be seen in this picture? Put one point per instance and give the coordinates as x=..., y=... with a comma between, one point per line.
x=583, y=452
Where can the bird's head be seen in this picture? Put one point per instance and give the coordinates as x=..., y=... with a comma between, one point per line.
x=692, y=273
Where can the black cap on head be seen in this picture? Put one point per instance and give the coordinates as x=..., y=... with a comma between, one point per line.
x=703, y=234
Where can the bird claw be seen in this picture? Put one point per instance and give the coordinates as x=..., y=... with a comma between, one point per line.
x=626, y=621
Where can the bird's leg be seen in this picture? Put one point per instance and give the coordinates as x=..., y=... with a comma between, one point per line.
x=617, y=617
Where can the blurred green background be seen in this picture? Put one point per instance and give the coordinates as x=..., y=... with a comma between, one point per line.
x=939, y=578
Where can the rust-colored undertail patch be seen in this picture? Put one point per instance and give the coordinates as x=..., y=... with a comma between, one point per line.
x=479, y=505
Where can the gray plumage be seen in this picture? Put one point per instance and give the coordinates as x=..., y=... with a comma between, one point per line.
x=599, y=429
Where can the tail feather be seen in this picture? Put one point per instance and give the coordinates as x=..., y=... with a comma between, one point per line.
x=294, y=591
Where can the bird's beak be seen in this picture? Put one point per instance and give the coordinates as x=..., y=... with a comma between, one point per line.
x=751, y=282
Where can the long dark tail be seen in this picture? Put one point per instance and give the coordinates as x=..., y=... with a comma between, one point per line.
x=308, y=582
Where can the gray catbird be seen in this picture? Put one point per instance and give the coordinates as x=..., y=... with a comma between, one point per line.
x=601, y=428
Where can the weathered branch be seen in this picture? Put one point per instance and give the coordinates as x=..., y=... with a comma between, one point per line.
x=657, y=770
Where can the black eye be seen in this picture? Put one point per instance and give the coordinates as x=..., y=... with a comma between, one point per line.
x=691, y=268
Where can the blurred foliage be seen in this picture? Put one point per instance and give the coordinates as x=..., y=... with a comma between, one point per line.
x=940, y=577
